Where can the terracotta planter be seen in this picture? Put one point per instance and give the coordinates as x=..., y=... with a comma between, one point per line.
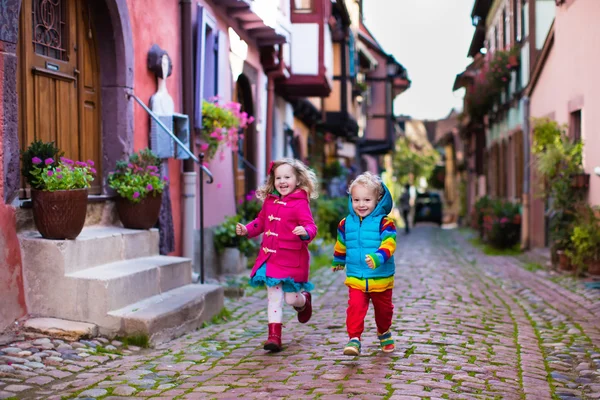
x=142, y=215
x=593, y=267
x=580, y=181
x=564, y=262
x=59, y=214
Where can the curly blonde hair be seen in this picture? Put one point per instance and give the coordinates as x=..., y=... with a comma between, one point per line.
x=307, y=180
x=369, y=181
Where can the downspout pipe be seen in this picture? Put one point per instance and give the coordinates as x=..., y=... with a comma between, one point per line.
x=526, y=226
x=272, y=75
x=189, y=184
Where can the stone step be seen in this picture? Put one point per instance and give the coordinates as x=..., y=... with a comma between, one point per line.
x=170, y=314
x=96, y=245
x=115, y=285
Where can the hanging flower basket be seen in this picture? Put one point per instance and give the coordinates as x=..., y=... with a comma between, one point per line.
x=221, y=124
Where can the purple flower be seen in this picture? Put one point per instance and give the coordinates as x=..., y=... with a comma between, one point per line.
x=50, y=173
x=240, y=201
x=152, y=168
x=66, y=160
x=248, y=197
x=130, y=165
x=93, y=170
x=48, y=161
x=36, y=160
x=149, y=187
x=165, y=178
x=90, y=163
x=59, y=176
x=80, y=164
x=58, y=169
x=136, y=195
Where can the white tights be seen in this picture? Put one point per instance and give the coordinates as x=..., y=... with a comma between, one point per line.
x=275, y=296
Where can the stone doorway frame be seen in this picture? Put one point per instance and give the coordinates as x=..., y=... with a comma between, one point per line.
x=115, y=54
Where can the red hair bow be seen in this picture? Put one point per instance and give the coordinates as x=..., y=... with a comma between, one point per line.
x=270, y=167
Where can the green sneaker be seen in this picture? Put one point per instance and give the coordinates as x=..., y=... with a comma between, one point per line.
x=387, y=343
x=352, y=348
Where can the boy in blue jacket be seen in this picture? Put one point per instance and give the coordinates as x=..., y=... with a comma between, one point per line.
x=365, y=246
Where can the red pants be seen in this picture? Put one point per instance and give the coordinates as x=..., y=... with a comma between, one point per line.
x=358, y=304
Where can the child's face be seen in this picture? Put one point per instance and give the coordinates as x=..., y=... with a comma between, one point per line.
x=364, y=200
x=285, y=179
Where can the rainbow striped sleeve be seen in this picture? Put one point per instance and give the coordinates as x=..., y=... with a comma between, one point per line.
x=387, y=247
x=339, y=250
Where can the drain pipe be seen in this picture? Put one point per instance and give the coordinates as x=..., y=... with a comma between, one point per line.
x=272, y=74
x=525, y=220
x=189, y=174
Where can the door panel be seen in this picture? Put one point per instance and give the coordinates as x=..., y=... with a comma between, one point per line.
x=59, y=80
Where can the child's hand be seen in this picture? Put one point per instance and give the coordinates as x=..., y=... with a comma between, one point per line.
x=241, y=230
x=369, y=262
x=338, y=268
x=300, y=231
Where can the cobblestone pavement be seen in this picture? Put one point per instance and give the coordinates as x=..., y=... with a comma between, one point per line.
x=467, y=326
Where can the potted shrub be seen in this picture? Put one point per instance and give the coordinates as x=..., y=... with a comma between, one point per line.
x=139, y=187
x=502, y=224
x=232, y=249
x=585, y=242
x=59, y=190
x=482, y=207
x=221, y=124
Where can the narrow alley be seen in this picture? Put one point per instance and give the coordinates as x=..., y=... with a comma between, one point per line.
x=467, y=326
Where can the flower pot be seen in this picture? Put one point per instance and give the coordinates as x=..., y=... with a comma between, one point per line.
x=142, y=215
x=59, y=214
x=232, y=261
x=564, y=263
x=580, y=181
x=593, y=267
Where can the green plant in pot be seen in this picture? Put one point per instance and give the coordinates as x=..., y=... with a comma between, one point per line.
x=59, y=190
x=585, y=241
x=231, y=248
x=139, y=187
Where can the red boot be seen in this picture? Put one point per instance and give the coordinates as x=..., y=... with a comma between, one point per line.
x=305, y=312
x=273, y=343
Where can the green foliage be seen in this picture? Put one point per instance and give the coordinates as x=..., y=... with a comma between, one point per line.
x=138, y=177
x=333, y=170
x=220, y=125
x=481, y=206
x=67, y=175
x=437, y=180
x=249, y=207
x=43, y=151
x=585, y=239
x=328, y=214
x=502, y=224
x=141, y=340
x=558, y=158
x=225, y=236
x=410, y=164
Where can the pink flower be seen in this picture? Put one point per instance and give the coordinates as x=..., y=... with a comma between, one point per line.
x=36, y=160
x=58, y=169
x=130, y=165
x=205, y=164
x=204, y=146
x=50, y=173
x=250, y=120
x=66, y=160
x=165, y=179
x=90, y=163
x=219, y=186
x=149, y=188
x=59, y=176
x=80, y=164
x=136, y=195
x=503, y=220
x=240, y=201
x=215, y=134
x=48, y=161
x=93, y=170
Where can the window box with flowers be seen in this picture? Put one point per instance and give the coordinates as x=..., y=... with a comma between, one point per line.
x=59, y=190
x=221, y=125
x=139, y=186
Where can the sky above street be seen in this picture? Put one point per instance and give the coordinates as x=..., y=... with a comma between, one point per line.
x=430, y=38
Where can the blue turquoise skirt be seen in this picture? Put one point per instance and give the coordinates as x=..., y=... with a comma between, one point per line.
x=289, y=285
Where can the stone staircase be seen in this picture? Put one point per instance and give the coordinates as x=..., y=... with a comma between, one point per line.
x=116, y=279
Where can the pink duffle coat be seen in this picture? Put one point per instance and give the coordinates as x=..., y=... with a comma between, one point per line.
x=286, y=254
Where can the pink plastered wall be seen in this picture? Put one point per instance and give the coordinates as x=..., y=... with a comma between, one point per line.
x=570, y=79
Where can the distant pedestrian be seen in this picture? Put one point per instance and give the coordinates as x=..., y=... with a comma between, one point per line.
x=282, y=264
x=366, y=241
x=405, y=207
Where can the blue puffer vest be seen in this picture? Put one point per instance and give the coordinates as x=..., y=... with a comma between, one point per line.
x=363, y=237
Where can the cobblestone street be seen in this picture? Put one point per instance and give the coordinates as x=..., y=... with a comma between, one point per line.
x=467, y=326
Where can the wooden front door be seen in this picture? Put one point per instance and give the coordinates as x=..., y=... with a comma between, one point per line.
x=59, y=82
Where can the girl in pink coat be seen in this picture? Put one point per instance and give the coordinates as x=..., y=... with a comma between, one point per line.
x=287, y=225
